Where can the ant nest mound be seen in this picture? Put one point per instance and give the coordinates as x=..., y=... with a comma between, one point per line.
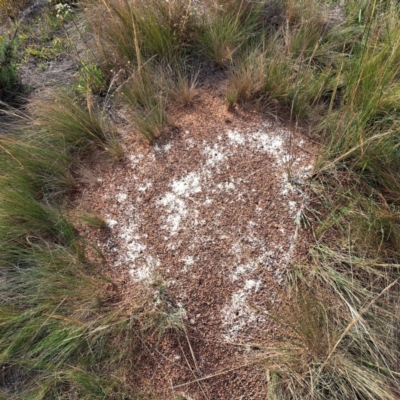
x=214, y=208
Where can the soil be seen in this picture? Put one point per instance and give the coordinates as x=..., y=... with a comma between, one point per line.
x=203, y=226
x=207, y=221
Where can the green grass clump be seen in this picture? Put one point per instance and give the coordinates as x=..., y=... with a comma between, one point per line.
x=331, y=67
x=46, y=167
x=143, y=94
x=363, y=130
x=132, y=32
x=9, y=79
x=340, y=78
x=77, y=122
x=61, y=326
x=56, y=324
x=227, y=29
x=56, y=327
x=340, y=313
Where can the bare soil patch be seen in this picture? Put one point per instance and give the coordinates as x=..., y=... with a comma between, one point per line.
x=212, y=210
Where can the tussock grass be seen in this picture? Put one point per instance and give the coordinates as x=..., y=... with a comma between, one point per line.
x=147, y=103
x=344, y=344
x=62, y=329
x=46, y=168
x=149, y=41
x=341, y=311
x=334, y=68
x=55, y=323
x=131, y=32
x=343, y=324
x=150, y=89
x=58, y=329
x=363, y=129
x=182, y=87
x=248, y=78
x=75, y=121
x=224, y=33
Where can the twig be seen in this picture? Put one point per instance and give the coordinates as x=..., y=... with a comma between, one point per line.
x=226, y=371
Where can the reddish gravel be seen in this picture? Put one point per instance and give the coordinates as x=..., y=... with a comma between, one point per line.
x=210, y=210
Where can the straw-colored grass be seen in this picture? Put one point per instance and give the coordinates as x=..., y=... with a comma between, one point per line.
x=331, y=67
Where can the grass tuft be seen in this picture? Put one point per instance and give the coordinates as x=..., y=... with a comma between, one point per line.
x=143, y=94
x=78, y=122
x=332, y=67
x=224, y=33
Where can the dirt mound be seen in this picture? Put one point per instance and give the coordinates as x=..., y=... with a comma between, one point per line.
x=214, y=208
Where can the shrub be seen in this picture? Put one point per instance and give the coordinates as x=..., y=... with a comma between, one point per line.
x=9, y=81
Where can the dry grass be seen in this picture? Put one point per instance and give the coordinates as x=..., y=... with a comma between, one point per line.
x=11, y=8
x=61, y=335
x=76, y=121
x=183, y=89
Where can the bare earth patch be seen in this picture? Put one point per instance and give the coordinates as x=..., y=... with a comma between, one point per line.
x=213, y=208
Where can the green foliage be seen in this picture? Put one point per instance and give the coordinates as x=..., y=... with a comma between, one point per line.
x=364, y=129
x=342, y=311
x=58, y=331
x=93, y=219
x=75, y=121
x=142, y=92
x=223, y=35
x=92, y=79
x=58, y=327
x=335, y=69
x=9, y=81
x=135, y=31
x=46, y=164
